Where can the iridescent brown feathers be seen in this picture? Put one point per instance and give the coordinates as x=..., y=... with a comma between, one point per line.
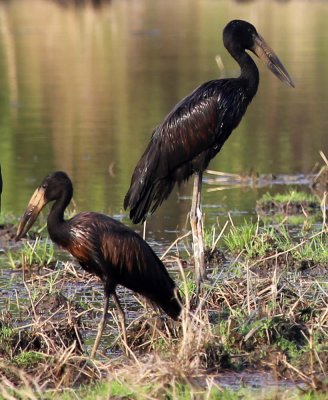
x=198, y=126
x=102, y=245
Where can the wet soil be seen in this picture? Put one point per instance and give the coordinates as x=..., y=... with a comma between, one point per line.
x=287, y=208
x=255, y=306
x=55, y=325
x=279, y=262
x=214, y=257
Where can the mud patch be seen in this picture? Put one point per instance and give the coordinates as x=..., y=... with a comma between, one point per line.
x=287, y=208
x=214, y=257
x=54, y=326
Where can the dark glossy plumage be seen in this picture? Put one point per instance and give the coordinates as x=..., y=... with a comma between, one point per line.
x=103, y=246
x=118, y=256
x=198, y=126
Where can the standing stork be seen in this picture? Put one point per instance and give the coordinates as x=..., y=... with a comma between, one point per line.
x=104, y=247
x=196, y=129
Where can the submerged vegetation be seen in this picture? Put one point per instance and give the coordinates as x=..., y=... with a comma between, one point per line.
x=262, y=321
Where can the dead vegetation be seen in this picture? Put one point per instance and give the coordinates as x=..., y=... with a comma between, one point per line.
x=262, y=311
x=276, y=323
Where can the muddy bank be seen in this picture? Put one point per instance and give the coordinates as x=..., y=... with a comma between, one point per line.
x=261, y=319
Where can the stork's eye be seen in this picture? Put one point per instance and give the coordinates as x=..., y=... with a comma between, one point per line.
x=44, y=186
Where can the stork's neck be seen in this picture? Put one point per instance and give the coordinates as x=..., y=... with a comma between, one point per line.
x=249, y=71
x=56, y=222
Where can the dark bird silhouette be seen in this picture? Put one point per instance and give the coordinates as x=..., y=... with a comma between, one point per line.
x=104, y=247
x=196, y=129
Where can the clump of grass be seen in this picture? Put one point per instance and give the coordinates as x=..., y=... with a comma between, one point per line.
x=314, y=249
x=211, y=390
x=290, y=196
x=258, y=322
x=106, y=390
x=288, y=204
x=250, y=239
x=38, y=253
x=7, y=336
x=273, y=319
x=213, y=235
x=255, y=241
x=28, y=359
x=189, y=287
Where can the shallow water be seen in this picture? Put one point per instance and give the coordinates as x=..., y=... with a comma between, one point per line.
x=253, y=380
x=82, y=89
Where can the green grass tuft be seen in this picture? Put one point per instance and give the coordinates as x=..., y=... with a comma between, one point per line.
x=40, y=253
x=255, y=240
x=28, y=358
x=290, y=196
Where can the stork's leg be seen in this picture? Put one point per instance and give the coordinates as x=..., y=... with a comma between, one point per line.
x=196, y=222
x=101, y=326
x=121, y=315
x=104, y=317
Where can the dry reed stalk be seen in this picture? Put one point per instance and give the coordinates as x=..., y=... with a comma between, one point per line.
x=215, y=242
x=279, y=297
x=262, y=259
x=174, y=243
x=12, y=378
x=324, y=208
x=322, y=154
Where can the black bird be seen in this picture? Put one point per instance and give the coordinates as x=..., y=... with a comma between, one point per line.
x=104, y=247
x=196, y=129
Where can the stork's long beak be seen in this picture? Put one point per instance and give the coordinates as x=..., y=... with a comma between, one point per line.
x=32, y=211
x=268, y=56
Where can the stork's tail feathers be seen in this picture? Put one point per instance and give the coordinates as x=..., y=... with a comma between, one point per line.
x=143, y=199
